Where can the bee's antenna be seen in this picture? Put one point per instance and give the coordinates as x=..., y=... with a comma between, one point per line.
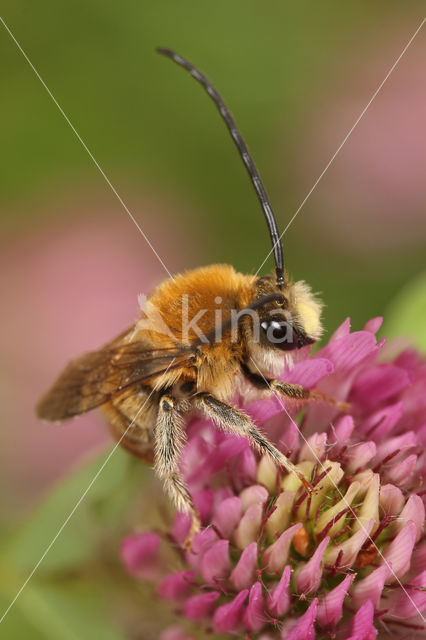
x=245, y=156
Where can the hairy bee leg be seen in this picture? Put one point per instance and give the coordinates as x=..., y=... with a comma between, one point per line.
x=235, y=421
x=297, y=392
x=293, y=391
x=169, y=440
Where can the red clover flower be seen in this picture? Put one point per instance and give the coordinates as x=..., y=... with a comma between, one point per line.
x=347, y=562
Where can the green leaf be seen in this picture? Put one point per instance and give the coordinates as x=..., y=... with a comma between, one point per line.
x=406, y=315
x=66, y=586
x=50, y=613
x=82, y=508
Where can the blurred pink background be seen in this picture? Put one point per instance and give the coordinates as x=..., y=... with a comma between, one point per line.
x=67, y=288
x=372, y=198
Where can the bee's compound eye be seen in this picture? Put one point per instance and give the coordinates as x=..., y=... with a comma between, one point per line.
x=280, y=334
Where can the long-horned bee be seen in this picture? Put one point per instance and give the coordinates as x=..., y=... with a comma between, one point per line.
x=201, y=334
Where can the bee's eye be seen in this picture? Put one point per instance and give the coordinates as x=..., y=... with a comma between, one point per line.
x=280, y=334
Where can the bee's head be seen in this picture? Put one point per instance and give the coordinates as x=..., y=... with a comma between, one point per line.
x=289, y=322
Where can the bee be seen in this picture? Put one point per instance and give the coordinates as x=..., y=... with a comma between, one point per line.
x=202, y=335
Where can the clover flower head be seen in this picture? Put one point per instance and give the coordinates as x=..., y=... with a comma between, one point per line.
x=346, y=562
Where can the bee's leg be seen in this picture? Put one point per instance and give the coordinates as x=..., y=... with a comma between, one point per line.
x=292, y=391
x=169, y=440
x=235, y=421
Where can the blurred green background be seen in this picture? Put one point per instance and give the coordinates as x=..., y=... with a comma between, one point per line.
x=296, y=77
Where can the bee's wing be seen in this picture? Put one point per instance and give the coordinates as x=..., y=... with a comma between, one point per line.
x=92, y=379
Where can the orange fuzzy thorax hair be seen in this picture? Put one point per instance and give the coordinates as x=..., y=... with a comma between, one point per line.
x=198, y=302
x=206, y=293
x=212, y=288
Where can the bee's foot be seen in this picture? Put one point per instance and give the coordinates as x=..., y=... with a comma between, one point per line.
x=343, y=406
x=310, y=489
x=318, y=396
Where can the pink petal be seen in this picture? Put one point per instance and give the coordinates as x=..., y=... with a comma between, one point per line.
x=409, y=359
x=223, y=493
x=359, y=456
x=256, y=494
x=419, y=558
x=308, y=579
x=374, y=324
x=227, y=449
x=176, y=585
x=139, y=554
x=330, y=607
x=391, y=499
x=314, y=448
x=414, y=510
x=279, y=598
x=341, y=331
x=401, y=473
x=215, y=564
x=343, y=430
x=403, y=442
x=350, y=350
x=276, y=555
x=214, y=459
x=289, y=441
x=362, y=624
x=204, y=500
x=412, y=602
x=263, y=410
x=200, y=606
x=254, y=616
x=245, y=469
x=203, y=540
x=197, y=449
x=227, y=617
x=308, y=372
x=350, y=548
x=421, y=435
x=398, y=553
x=244, y=574
x=249, y=526
x=371, y=587
x=181, y=526
x=380, y=423
x=227, y=516
x=320, y=415
x=304, y=627
x=378, y=383
x=175, y=633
